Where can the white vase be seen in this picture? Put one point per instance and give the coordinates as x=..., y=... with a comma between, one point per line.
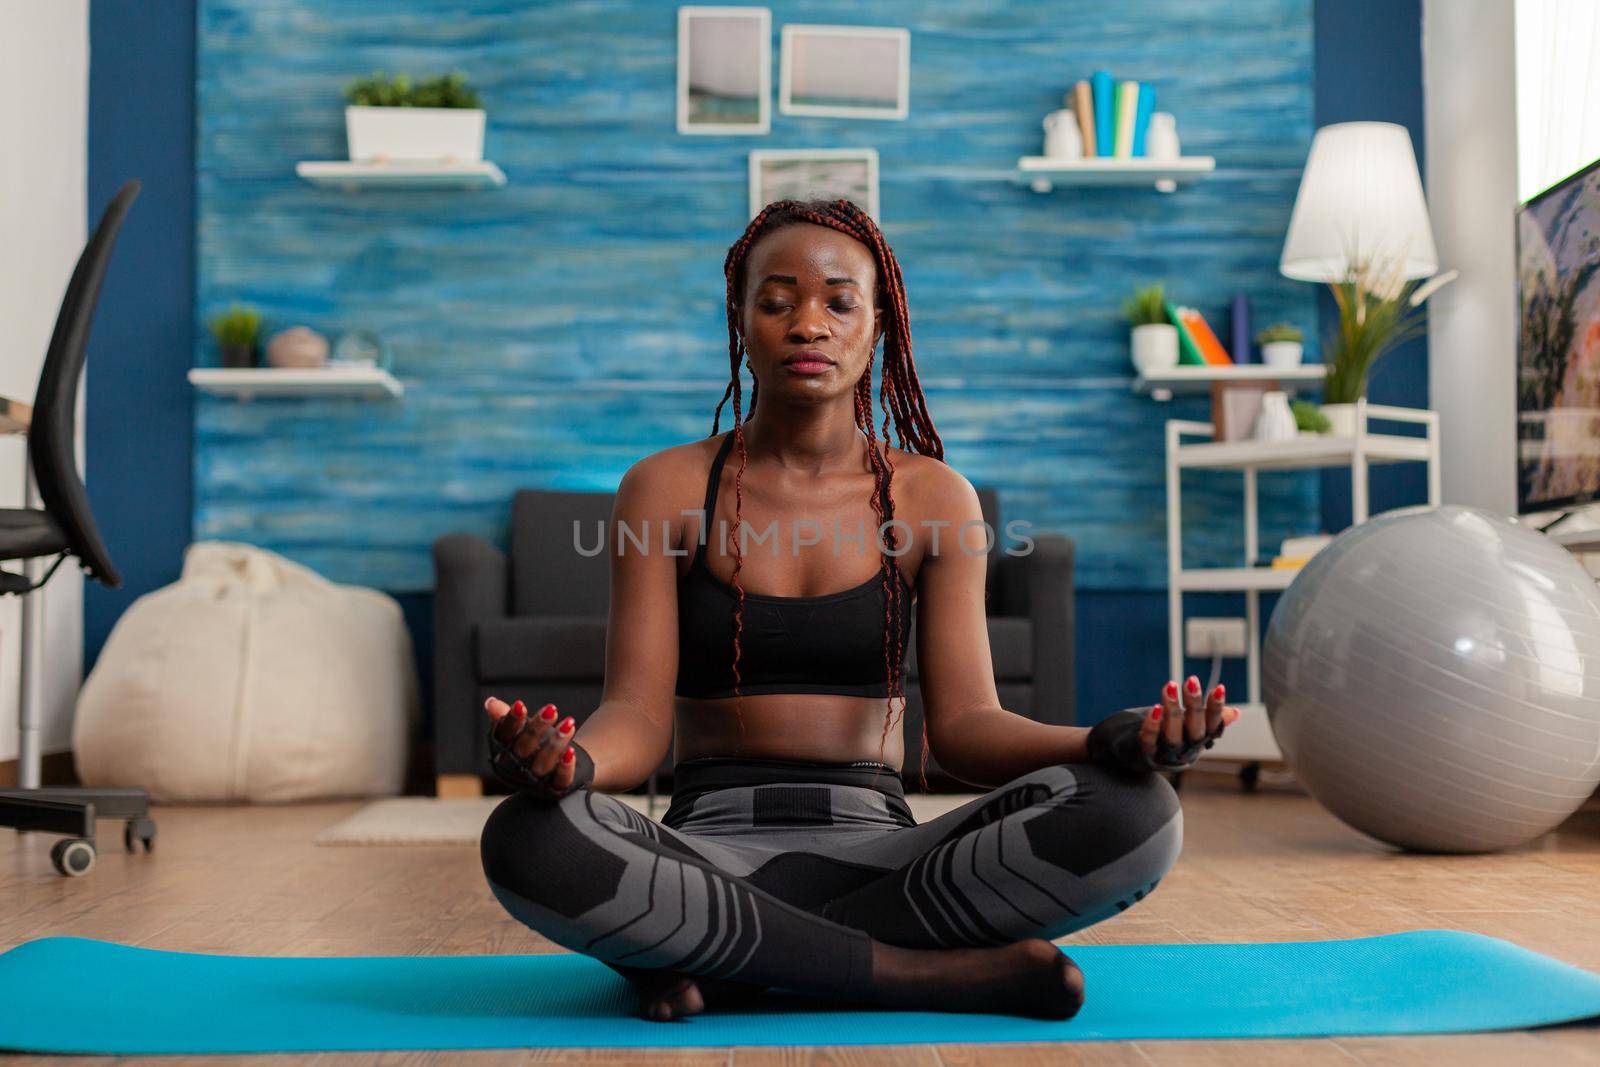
x=414, y=134
x=1161, y=139
x=1062, y=137
x=1281, y=353
x=1155, y=347
x=1341, y=419
x=1275, y=420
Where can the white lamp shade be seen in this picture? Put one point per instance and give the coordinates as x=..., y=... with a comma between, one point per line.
x=1360, y=196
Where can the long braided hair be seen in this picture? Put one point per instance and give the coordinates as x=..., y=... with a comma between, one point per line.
x=900, y=393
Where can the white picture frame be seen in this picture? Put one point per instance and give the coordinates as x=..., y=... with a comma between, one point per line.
x=726, y=48
x=867, y=64
x=805, y=173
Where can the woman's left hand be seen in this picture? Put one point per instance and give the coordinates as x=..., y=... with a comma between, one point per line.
x=1169, y=736
x=1177, y=728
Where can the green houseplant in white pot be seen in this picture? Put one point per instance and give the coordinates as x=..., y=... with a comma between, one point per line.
x=391, y=120
x=1377, y=311
x=1154, y=340
x=1280, y=345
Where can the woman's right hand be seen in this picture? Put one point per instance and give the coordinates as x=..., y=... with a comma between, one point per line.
x=534, y=752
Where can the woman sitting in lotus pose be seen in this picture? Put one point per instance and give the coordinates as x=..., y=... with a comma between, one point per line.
x=788, y=857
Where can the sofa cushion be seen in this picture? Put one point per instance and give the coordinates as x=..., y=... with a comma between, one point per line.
x=542, y=646
x=1010, y=646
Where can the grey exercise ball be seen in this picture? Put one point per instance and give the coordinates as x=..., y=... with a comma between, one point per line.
x=1433, y=677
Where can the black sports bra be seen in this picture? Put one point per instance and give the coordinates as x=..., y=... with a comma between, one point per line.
x=831, y=643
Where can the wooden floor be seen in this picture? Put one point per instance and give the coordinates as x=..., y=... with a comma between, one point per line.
x=1272, y=866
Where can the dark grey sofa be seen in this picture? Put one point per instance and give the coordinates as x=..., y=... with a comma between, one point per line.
x=531, y=623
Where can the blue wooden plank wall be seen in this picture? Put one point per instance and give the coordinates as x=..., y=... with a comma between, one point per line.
x=550, y=333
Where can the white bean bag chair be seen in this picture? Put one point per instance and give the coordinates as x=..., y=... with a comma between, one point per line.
x=251, y=678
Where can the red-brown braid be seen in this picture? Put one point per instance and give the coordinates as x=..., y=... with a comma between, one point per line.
x=900, y=395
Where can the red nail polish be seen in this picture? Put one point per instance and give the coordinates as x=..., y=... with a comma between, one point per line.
x=548, y=713
x=1172, y=689
x=1194, y=684
x=1155, y=713
x=566, y=724
x=518, y=708
x=1219, y=692
x=568, y=756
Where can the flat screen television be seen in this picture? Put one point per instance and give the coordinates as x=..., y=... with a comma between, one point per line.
x=1558, y=345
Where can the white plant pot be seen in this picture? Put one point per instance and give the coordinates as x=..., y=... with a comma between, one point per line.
x=1281, y=353
x=1341, y=419
x=1155, y=347
x=414, y=134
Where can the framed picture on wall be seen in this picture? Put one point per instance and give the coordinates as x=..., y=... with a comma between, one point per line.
x=857, y=72
x=807, y=173
x=724, y=70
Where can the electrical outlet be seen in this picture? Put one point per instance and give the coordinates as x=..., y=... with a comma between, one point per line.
x=1214, y=637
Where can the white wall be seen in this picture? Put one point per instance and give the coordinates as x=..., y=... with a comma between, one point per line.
x=44, y=95
x=1468, y=76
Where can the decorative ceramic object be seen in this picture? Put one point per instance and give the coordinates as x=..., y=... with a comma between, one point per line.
x=1275, y=422
x=298, y=347
x=1155, y=347
x=1161, y=139
x=1063, y=138
x=1281, y=353
x=414, y=134
x=363, y=348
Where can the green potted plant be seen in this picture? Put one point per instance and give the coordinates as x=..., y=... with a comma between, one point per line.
x=1280, y=344
x=1153, y=339
x=1308, y=417
x=1377, y=311
x=392, y=119
x=237, y=330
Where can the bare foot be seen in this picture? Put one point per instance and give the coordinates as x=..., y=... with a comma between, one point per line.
x=1031, y=977
x=667, y=995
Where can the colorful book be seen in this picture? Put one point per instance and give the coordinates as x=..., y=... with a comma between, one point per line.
x=1241, y=328
x=1205, y=339
x=1141, y=120
x=1100, y=83
x=1083, y=103
x=1188, y=352
x=1127, y=107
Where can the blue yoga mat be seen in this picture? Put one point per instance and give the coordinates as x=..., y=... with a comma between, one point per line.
x=54, y=997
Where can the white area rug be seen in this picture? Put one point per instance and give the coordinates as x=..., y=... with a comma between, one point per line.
x=459, y=821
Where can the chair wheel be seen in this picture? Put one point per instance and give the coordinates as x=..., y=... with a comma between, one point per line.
x=135, y=830
x=73, y=856
x=1250, y=776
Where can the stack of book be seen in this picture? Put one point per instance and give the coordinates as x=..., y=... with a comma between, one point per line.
x=1297, y=551
x=1197, y=343
x=1113, y=116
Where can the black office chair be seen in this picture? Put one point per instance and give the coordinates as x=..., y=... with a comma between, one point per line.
x=65, y=527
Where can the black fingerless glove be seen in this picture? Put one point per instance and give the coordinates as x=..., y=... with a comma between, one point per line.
x=514, y=771
x=1114, y=742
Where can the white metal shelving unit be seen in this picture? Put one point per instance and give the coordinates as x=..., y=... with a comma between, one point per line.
x=1251, y=737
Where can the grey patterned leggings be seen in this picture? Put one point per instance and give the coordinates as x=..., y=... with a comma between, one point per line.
x=781, y=873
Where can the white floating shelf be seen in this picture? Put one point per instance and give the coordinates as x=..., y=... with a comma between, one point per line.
x=365, y=383
x=1042, y=173
x=1305, y=451
x=1195, y=379
x=343, y=174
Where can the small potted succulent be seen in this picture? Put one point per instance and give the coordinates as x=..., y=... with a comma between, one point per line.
x=390, y=119
x=1154, y=340
x=1281, y=345
x=237, y=330
x=1308, y=417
